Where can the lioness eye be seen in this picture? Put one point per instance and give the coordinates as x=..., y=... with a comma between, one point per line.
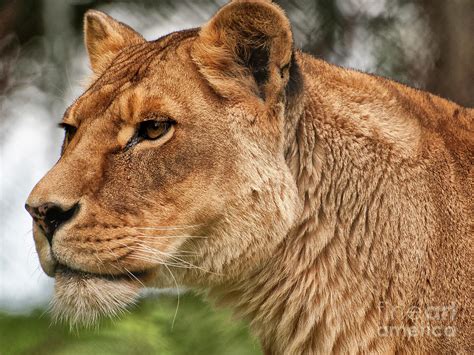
x=152, y=129
x=69, y=130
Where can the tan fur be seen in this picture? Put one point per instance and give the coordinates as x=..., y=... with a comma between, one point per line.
x=322, y=204
x=106, y=37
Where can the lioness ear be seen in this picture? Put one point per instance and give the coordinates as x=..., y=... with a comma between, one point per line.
x=246, y=48
x=105, y=37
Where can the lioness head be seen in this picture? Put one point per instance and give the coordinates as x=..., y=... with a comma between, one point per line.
x=173, y=166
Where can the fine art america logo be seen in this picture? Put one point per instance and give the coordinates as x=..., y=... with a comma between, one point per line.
x=415, y=321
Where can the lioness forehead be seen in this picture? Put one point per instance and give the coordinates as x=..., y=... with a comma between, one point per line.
x=130, y=67
x=133, y=63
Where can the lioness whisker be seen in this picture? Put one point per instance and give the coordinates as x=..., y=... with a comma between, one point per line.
x=147, y=248
x=177, y=292
x=128, y=271
x=178, y=253
x=162, y=263
x=101, y=262
x=133, y=276
x=157, y=236
x=182, y=253
x=176, y=259
x=185, y=226
x=159, y=261
x=153, y=253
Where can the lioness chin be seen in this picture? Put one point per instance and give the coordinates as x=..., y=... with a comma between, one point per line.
x=330, y=208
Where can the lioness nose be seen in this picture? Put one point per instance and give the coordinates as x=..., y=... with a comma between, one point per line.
x=49, y=217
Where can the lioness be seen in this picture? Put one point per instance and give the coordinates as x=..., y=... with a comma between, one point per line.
x=330, y=208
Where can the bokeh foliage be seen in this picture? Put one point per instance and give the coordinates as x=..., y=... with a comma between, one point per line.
x=147, y=329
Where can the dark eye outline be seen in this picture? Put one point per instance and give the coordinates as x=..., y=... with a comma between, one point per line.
x=140, y=134
x=143, y=127
x=69, y=130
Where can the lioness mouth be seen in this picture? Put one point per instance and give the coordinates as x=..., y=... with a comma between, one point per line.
x=65, y=270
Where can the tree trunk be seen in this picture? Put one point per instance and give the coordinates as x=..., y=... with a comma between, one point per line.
x=453, y=25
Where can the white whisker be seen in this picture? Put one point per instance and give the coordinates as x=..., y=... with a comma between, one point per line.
x=136, y=278
x=177, y=292
x=155, y=258
x=157, y=236
x=171, y=227
x=161, y=263
x=147, y=248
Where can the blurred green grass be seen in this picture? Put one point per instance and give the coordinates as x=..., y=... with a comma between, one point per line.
x=147, y=329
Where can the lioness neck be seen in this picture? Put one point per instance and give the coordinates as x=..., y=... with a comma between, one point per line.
x=362, y=251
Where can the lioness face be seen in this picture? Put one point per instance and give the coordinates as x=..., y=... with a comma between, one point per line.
x=162, y=178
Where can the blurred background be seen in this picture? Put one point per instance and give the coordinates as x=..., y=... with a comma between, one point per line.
x=427, y=44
